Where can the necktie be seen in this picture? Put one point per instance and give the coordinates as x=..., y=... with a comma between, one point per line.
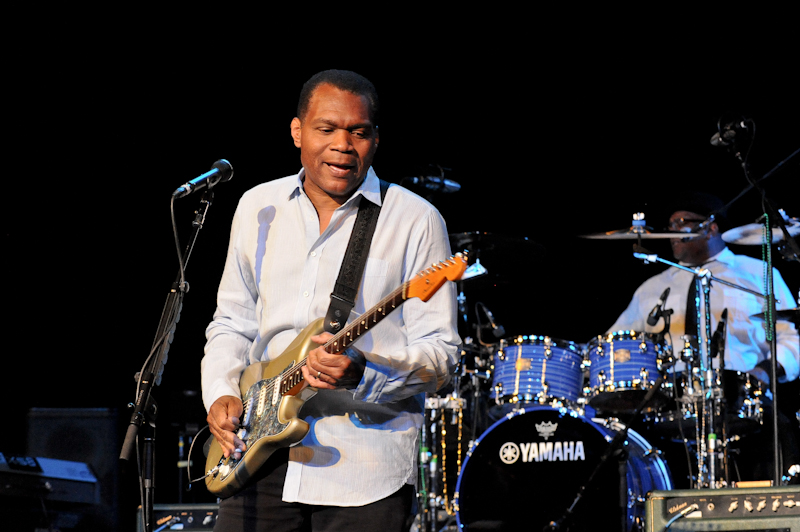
x=691, y=309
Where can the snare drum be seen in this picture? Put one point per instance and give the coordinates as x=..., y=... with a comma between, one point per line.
x=527, y=469
x=537, y=368
x=624, y=365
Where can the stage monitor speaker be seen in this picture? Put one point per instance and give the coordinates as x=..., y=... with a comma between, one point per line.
x=730, y=509
x=195, y=517
x=87, y=435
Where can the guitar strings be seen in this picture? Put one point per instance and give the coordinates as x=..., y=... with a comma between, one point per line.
x=380, y=310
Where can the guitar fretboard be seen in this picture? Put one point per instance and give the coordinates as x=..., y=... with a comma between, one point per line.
x=348, y=335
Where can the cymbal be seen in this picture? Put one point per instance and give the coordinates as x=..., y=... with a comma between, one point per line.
x=753, y=234
x=789, y=314
x=636, y=233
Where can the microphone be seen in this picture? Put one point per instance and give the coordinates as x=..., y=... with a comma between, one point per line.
x=435, y=183
x=221, y=171
x=726, y=135
x=718, y=340
x=497, y=330
x=658, y=310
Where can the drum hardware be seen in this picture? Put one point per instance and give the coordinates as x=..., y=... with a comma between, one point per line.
x=432, y=501
x=709, y=404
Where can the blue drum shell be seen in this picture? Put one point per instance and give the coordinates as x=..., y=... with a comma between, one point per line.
x=524, y=364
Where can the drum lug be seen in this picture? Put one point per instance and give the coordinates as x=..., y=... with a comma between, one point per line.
x=599, y=349
x=501, y=355
x=548, y=344
x=643, y=375
x=652, y=451
x=643, y=347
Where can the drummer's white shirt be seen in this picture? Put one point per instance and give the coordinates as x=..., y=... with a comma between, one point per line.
x=745, y=342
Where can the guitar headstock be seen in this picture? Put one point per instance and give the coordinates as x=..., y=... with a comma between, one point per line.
x=428, y=281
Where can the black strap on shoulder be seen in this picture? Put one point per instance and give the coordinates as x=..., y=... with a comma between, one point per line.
x=355, y=258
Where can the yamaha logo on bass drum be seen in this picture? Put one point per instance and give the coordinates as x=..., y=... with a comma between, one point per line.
x=543, y=451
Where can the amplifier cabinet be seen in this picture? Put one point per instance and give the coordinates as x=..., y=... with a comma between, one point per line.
x=196, y=517
x=739, y=509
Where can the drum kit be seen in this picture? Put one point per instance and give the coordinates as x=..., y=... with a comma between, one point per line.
x=537, y=429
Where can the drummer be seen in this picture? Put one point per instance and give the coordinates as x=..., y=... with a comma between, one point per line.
x=746, y=347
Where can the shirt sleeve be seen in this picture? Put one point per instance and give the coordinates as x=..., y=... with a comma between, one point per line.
x=787, y=337
x=632, y=318
x=234, y=327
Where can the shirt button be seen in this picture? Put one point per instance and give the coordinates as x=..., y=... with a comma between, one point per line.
x=313, y=253
x=305, y=294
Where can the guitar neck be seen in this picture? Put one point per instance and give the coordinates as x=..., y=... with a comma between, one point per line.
x=422, y=286
x=294, y=376
x=370, y=318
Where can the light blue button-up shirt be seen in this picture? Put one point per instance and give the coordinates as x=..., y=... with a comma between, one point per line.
x=278, y=277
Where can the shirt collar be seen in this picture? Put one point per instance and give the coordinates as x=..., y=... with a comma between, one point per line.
x=725, y=256
x=370, y=188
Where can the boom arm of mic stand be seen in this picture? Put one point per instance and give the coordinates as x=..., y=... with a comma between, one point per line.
x=650, y=257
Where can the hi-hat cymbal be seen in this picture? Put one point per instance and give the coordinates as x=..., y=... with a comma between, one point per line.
x=636, y=233
x=753, y=234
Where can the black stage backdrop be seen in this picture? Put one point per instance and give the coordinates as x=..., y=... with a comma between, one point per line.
x=551, y=136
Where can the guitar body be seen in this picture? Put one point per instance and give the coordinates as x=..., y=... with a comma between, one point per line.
x=274, y=392
x=270, y=425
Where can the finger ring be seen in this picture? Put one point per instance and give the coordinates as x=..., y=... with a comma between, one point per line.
x=318, y=374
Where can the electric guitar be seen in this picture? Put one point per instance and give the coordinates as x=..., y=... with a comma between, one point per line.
x=273, y=392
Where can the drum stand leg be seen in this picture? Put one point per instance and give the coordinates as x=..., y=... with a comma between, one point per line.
x=622, y=467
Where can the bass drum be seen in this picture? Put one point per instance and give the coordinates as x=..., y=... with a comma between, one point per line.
x=528, y=468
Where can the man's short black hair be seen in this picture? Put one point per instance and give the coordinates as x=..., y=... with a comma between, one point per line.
x=345, y=80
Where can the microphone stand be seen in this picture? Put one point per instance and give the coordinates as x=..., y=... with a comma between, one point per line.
x=791, y=253
x=144, y=409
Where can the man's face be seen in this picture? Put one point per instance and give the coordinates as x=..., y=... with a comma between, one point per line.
x=693, y=251
x=337, y=142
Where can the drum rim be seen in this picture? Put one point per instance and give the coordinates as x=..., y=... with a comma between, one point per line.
x=627, y=334
x=538, y=339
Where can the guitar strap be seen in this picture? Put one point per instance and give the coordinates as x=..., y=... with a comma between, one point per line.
x=355, y=258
